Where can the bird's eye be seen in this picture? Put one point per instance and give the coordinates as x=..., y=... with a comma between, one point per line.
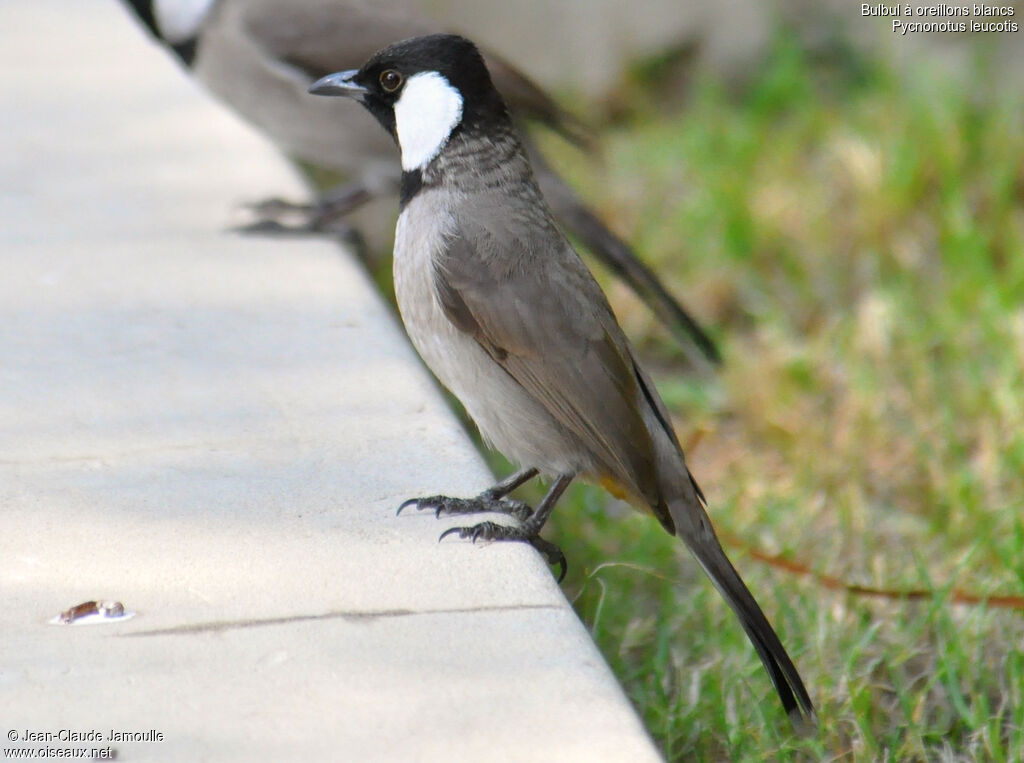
x=390, y=80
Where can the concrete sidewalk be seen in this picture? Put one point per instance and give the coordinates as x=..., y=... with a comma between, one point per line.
x=216, y=430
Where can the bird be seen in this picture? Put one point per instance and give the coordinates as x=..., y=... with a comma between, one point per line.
x=260, y=56
x=508, y=317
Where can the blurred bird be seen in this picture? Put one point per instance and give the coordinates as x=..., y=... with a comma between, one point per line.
x=507, y=316
x=260, y=56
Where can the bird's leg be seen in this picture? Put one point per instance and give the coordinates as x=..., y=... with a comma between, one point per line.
x=325, y=215
x=528, y=531
x=494, y=499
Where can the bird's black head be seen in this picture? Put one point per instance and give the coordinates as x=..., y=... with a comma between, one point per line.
x=422, y=90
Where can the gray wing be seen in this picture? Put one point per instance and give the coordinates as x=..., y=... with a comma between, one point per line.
x=519, y=289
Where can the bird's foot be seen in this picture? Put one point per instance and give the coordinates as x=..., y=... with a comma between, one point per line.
x=522, y=534
x=326, y=215
x=280, y=217
x=493, y=501
x=486, y=502
x=278, y=207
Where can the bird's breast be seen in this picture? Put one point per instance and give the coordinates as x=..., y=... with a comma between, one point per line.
x=454, y=357
x=513, y=422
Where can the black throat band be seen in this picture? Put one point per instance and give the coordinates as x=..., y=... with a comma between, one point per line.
x=412, y=184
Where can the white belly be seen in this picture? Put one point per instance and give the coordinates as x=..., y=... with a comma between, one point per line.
x=510, y=420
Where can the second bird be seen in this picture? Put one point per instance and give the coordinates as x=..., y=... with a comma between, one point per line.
x=508, y=317
x=260, y=56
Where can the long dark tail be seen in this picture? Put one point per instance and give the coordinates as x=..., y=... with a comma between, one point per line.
x=617, y=255
x=694, y=527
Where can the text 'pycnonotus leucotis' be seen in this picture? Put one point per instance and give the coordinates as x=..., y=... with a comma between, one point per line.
x=508, y=317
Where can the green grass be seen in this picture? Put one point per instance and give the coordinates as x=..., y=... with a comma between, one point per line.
x=855, y=236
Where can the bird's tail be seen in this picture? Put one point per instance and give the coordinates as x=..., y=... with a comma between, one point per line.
x=694, y=527
x=620, y=257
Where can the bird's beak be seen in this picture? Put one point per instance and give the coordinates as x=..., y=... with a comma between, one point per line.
x=339, y=83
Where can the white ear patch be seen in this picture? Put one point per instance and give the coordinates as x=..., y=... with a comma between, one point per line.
x=425, y=115
x=179, y=20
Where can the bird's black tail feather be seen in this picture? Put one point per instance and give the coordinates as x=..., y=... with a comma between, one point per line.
x=700, y=538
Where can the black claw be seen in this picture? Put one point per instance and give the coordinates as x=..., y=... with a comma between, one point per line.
x=552, y=555
x=436, y=502
x=405, y=504
x=449, y=531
